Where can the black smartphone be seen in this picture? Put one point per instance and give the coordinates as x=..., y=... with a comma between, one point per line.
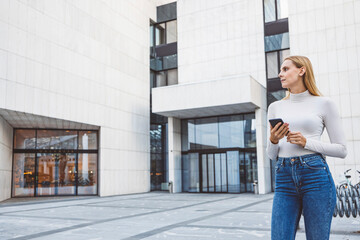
x=275, y=121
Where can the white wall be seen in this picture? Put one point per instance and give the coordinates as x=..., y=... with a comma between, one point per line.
x=328, y=32
x=219, y=39
x=88, y=62
x=6, y=133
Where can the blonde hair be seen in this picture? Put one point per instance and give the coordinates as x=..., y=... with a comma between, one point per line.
x=308, y=77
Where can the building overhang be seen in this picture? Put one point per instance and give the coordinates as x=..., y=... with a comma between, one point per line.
x=209, y=98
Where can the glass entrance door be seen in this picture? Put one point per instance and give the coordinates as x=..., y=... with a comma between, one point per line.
x=213, y=172
x=56, y=174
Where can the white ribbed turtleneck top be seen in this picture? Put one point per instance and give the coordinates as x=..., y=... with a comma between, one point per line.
x=309, y=115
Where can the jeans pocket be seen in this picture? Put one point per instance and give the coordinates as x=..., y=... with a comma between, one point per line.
x=315, y=164
x=278, y=166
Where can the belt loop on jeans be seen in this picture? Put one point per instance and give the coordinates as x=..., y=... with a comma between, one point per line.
x=301, y=160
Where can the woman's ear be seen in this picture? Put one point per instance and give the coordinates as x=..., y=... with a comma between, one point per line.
x=302, y=71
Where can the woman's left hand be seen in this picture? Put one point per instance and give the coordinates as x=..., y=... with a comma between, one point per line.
x=296, y=138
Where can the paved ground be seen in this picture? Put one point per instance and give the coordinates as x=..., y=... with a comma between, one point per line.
x=155, y=215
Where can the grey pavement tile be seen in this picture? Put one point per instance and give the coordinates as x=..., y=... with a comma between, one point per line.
x=155, y=215
x=83, y=212
x=11, y=227
x=239, y=219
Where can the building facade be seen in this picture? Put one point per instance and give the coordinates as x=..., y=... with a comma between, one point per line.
x=76, y=116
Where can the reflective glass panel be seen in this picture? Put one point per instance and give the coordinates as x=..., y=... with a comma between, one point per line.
x=269, y=6
x=160, y=79
x=272, y=65
x=277, y=42
x=24, y=139
x=160, y=34
x=56, y=139
x=87, y=140
x=231, y=131
x=206, y=133
x=23, y=174
x=194, y=172
x=87, y=174
x=250, y=130
x=56, y=174
x=172, y=77
x=233, y=171
x=171, y=31
x=282, y=9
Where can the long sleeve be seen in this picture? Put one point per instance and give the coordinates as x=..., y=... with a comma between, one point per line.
x=272, y=150
x=332, y=121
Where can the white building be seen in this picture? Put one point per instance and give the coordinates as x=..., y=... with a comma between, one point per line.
x=75, y=109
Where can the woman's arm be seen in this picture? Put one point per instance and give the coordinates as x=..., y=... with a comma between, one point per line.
x=337, y=147
x=272, y=149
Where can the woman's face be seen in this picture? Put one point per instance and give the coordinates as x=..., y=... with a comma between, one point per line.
x=289, y=74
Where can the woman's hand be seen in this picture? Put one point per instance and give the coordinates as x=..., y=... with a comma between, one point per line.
x=277, y=133
x=296, y=138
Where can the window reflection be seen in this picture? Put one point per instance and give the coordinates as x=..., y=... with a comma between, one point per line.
x=23, y=174
x=272, y=64
x=24, y=139
x=206, y=133
x=171, y=31
x=87, y=176
x=269, y=6
x=56, y=139
x=282, y=9
x=57, y=157
x=56, y=174
x=87, y=140
x=276, y=42
x=231, y=131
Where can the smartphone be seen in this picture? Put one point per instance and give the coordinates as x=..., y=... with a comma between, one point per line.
x=275, y=121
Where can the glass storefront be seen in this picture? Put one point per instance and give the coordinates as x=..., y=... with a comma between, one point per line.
x=54, y=162
x=219, y=154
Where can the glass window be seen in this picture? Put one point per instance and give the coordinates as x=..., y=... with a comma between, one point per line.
x=24, y=139
x=56, y=174
x=272, y=64
x=231, y=131
x=160, y=34
x=87, y=140
x=151, y=36
x=282, y=9
x=23, y=174
x=206, y=133
x=194, y=185
x=169, y=61
x=277, y=42
x=87, y=174
x=283, y=55
x=269, y=6
x=251, y=170
x=233, y=171
x=172, y=77
x=250, y=130
x=160, y=79
x=171, y=31
x=56, y=139
x=275, y=96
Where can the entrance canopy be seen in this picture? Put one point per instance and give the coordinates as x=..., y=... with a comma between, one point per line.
x=208, y=98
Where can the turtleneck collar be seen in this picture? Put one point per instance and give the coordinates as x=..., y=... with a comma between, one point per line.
x=299, y=96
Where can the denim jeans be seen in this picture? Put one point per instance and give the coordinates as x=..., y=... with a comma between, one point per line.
x=302, y=184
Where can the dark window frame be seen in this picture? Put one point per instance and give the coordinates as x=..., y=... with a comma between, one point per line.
x=35, y=151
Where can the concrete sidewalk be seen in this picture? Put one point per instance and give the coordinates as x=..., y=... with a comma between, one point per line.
x=154, y=215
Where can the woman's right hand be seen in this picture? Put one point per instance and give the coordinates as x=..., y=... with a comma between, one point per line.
x=277, y=133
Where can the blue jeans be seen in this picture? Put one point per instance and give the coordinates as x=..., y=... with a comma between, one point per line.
x=302, y=183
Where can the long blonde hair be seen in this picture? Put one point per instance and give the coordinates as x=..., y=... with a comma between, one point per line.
x=308, y=77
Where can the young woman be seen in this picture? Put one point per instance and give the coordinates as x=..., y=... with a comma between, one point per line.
x=303, y=181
